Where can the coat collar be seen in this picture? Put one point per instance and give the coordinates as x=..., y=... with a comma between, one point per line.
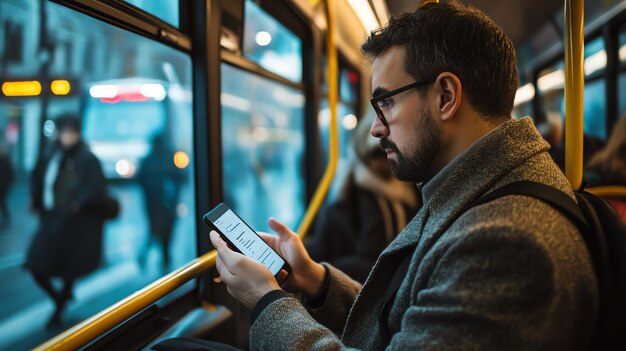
x=469, y=176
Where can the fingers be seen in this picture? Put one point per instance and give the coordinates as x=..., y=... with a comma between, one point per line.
x=227, y=256
x=281, y=276
x=217, y=242
x=224, y=272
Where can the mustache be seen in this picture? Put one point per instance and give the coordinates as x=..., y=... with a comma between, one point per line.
x=386, y=144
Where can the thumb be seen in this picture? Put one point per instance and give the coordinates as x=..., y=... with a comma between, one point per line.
x=282, y=230
x=228, y=256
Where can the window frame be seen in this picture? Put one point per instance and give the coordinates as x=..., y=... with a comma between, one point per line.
x=289, y=16
x=129, y=17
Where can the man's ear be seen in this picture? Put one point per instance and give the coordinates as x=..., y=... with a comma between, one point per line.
x=450, y=91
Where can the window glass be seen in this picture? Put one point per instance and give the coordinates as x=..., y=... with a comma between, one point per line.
x=270, y=44
x=132, y=98
x=550, y=85
x=263, y=148
x=346, y=122
x=348, y=85
x=167, y=10
x=595, y=109
x=595, y=56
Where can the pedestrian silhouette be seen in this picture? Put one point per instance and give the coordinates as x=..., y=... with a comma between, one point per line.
x=160, y=180
x=68, y=189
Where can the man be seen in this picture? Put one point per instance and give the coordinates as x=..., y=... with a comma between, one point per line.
x=68, y=189
x=509, y=274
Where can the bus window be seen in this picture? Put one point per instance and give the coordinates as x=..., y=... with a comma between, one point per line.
x=270, y=44
x=348, y=85
x=346, y=122
x=263, y=148
x=151, y=104
x=550, y=84
x=167, y=10
x=595, y=89
x=595, y=109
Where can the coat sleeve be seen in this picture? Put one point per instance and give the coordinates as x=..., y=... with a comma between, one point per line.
x=498, y=288
x=287, y=325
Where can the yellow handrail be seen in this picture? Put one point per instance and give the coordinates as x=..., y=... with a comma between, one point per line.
x=329, y=173
x=610, y=191
x=91, y=328
x=574, y=88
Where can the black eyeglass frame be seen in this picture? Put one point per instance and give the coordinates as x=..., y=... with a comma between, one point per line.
x=387, y=95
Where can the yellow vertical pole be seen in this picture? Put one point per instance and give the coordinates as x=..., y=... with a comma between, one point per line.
x=327, y=178
x=574, y=88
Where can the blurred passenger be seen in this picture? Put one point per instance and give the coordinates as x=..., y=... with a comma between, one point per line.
x=608, y=166
x=68, y=188
x=371, y=210
x=591, y=146
x=6, y=179
x=161, y=180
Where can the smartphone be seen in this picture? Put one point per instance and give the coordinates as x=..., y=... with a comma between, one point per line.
x=243, y=239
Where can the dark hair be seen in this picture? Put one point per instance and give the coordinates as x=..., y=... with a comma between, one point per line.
x=68, y=121
x=449, y=37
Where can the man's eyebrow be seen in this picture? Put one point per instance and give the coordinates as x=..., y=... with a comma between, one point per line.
x=379, y=91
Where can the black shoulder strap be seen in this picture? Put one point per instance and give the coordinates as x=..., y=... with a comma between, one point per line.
x=552, y=196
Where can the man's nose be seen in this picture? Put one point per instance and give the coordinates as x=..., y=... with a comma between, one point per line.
x=378, y=129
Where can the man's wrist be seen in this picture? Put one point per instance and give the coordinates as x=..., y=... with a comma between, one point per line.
x=317, y=280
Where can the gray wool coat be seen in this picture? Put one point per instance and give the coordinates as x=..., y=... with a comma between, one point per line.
x=511, y=274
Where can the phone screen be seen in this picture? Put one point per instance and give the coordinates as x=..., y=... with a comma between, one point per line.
x=248, y=241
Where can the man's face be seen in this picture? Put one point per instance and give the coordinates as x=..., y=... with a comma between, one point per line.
x=412, y=139
x=68, y=137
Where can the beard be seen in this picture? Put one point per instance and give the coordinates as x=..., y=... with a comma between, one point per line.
x=415, y=166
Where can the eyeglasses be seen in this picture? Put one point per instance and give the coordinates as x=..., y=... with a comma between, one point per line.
x=379, y=102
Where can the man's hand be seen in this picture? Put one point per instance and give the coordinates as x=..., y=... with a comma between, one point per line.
x=246, y=279
x=307, y=276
